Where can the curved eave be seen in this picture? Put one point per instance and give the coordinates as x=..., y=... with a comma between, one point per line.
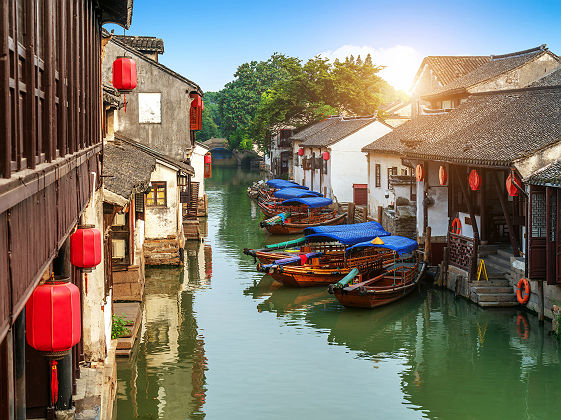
x=116, y=11
x=466, y=161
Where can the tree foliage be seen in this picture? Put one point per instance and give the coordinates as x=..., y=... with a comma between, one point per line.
x=284, y=90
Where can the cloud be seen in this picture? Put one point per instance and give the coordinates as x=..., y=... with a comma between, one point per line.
x=401, y=61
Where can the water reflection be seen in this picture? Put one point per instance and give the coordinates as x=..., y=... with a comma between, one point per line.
x=165, y=377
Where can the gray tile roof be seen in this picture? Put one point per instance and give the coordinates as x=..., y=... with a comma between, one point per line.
x=498, y=65
x=489, y=129
x=149, y=44
x=553, y=78
x=313, y=129
x=334, y=129
x=549, y=175
x=448, y=68
x=126, y=168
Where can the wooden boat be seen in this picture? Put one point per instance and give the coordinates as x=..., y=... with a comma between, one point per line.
x=331, y=241
x=267, y=190
x=318, y=213
x=398, y=279
x=333, y=263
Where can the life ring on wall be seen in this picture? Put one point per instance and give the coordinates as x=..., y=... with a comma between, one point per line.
x=456, y=226
x=522, y=327
x=523, y=296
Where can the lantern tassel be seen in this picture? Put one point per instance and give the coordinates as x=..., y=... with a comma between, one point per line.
x=86, y=282
x=54, y=382
x=125, y=98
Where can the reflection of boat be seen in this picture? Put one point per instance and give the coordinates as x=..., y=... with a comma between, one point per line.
x=396, y=281
x=285, y=300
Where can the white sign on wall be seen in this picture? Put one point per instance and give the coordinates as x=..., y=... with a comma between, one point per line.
x=149, y=108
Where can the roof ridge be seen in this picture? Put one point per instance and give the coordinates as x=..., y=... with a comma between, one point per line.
x=542, y=47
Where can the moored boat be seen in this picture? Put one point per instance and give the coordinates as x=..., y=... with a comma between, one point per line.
x=318, y=213
x=397, y=280
x=333, y=263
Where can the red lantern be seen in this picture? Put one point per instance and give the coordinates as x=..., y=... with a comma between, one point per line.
x=208, y=165
x=124, y=74
x=301, y=152
x=196, y=112
x=443, y=175
x=53, y=323
x=325, y=155
x=474, y=180
x=420, y=172
x=511, y=180
x=85, y=247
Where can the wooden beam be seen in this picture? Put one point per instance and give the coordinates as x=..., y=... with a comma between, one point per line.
x=30, y=103
x=49, y=110
x=5, y=108
x=500, y=194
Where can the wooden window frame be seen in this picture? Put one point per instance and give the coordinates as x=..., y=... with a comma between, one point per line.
x=378, y=175
x=154, y=189
x=391, y=171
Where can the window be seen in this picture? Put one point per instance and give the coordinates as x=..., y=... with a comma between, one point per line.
x=404, y=172
x=157, y=195
x=149, y=108
x=378, y=176
x=391, y=171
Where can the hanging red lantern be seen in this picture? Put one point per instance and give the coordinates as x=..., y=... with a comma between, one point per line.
x=301, y=152
x=208, y=165
x=196, y=112
x=85, y=247
x=474, y=180
x=420, y=172
x=53, y=323
x=124, y=74
x=443, y=175
x=511, y=181
x=325, y=155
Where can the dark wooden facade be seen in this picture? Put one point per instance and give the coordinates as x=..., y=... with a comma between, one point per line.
x=50, y=144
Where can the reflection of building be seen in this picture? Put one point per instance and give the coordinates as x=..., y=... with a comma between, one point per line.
x=168, y=378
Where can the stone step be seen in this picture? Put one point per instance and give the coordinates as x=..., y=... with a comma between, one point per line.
x=497, y=297
x=491, y=283
x=490, y=289
x=498, y=304
x=499, y=270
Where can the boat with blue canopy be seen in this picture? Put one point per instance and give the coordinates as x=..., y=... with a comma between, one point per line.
x=289, y=193
x=301, y=213
x=283, y=183
x=398, y=279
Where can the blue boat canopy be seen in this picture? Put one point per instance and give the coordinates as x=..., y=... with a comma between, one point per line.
x=311, y=202
x=283, y=183
x=399, y=244
x=371, y=226
x=348, y=237
x=295, y=193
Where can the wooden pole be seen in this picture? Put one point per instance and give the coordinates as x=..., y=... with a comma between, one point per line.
x=351, y=213
x=427, y=244
x=380, y=212
x=540, y=302
x=513, y=242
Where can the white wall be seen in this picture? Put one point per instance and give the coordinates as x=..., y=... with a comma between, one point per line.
x=297, y=170
x=164, y=221
x=377, y=195
x=198, y=163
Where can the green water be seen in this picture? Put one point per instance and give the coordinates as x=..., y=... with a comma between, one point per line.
x=221, y=341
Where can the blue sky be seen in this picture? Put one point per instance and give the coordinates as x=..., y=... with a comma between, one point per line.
x=206, y=40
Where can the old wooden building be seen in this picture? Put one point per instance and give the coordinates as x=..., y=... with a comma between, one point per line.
x=50, y=160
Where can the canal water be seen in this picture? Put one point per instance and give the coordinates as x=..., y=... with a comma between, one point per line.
x=221, y=341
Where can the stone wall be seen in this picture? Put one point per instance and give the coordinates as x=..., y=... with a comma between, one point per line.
x=128, y=284
x=402, y=223
x=163, y=251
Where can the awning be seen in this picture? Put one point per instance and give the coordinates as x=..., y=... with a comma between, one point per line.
x=311, y=202
x=283, y=183
x=399, y=244
x=295, y=193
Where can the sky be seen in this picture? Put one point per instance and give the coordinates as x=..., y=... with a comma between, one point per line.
x=206, y=41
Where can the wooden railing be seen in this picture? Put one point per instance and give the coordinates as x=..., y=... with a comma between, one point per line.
x=462, y=252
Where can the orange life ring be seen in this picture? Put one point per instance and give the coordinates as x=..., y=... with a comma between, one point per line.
x=456, y=226
x=522, y=321
x=523, y=297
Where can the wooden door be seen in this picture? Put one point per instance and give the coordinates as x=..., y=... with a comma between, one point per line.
x=538, y=234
